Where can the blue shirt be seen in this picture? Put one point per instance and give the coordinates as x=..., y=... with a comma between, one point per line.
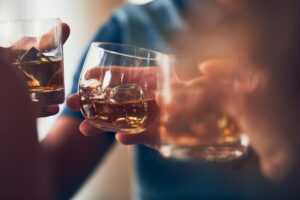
x=167, y=179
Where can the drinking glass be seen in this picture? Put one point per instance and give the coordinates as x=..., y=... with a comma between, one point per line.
x=117, y=87
x=192, y=121
x=36, y=51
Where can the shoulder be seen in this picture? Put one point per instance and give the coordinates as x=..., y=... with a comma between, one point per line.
x=163, y=15
x=109, y=32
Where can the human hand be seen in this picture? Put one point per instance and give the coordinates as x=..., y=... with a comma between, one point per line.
x=270, y=115
x=144, y=76
x=150, y=137
x=238, y=88
x=10, y=54
x=220, y=87
x=208, y=86
x=255, y=100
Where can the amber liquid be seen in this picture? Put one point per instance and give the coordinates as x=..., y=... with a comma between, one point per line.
x=129, y=117
x=45, y=80
x=210, y=128
x=212, y=136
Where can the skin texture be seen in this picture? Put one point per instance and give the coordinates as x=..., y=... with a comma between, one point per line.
x=71, y=156
x=267, y=33
x=56, y=167
x=10, y=54
x=22, y=160
x=268, y=110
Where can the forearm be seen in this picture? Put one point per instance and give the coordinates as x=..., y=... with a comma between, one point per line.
x=22, y=170
x=73, y=156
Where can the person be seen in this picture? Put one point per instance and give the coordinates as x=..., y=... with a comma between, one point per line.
x=56, y=167
x=21, y=158
x=52, y=167
x=23, y=169
x=71, y=156
x=149, y=26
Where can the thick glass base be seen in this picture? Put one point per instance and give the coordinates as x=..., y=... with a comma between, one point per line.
x=48, y=97
x=111, y=128
x=218, y=153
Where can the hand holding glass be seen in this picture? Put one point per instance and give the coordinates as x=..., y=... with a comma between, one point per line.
x=117, y=87
x=35, y=48
x=195, y=105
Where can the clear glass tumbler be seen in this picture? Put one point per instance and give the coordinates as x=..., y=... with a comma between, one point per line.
x=36, y=51
x=117, y=87
x=193, y=123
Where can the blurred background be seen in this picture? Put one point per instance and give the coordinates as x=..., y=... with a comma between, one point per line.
x=111, y=180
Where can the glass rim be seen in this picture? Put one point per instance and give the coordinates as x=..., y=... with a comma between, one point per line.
x=29, y=20
x=97, y=45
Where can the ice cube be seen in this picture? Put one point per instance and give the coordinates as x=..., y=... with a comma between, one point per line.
x=89, y=111
x=91, y=88
x=126, y=92
x=91, y=83
x=33, y=55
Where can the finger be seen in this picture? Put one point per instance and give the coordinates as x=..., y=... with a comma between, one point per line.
x=128, y=139
x=24, y=44
x=46, y=111
x=140, y=138
x=218, y=67
x=99, y=71
x=144, y=76
x=87, y=129
x=73, y=102
x=149, y=138
x=240, y=74
x=46, y=41
x=197, y=82
x=238, y=67
x=194, y=93
x=65, y=32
